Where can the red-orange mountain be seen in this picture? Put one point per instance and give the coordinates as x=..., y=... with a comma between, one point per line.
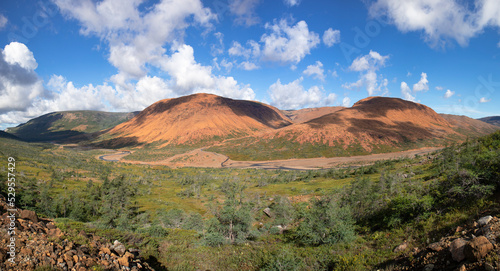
x=194, y=118
x=371, y=121
x=374, y=124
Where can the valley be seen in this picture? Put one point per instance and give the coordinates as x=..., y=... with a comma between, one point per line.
x=204, y=182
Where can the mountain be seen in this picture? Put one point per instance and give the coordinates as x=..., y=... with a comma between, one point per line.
x=68, y=125
x=306, y=114
x=7, y=135
x=195, y=118
x=492, y=120
x=466, y=126
x=372, y=125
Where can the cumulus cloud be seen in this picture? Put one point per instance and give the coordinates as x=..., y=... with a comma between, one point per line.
x=439, y=88
x=406, y=92
x=136, y=37
x=188, y=76
x=3, y=21
x=248, y=66
x=244, y=10
x=18, y=53
x=315, y=70
x=440, y=20
x=346, y=102
x=448, y=94
x=292, y=3
x=484, y=100
x=422, y=84
x=288, y=44
x=293, y=95
x=331, y=37
x=19, y=84
x=367, y=66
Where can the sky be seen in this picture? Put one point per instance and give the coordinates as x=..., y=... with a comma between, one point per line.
x=124, y=55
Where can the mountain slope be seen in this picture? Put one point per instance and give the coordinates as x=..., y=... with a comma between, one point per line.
x=372, y=125
x=67, y=125
x=466, y=126
x=306, y=114
x=495, y=120
x=196, y=118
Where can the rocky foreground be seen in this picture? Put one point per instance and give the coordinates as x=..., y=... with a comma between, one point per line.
x=40, y=243
x=470, y=247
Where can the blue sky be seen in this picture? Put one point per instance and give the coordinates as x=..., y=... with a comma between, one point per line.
x=123, y=55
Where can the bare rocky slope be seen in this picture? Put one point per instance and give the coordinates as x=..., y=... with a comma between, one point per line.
x=196, y=118
x=39, y=243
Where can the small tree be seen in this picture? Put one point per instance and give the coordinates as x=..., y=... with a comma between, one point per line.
x=325, y=223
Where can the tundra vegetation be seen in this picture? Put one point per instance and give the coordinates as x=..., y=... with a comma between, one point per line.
x=349, y=218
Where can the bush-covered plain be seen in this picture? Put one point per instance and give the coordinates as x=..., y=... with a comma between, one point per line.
x=225, y=219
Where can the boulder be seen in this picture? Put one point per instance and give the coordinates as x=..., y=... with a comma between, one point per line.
x=484, y=220
x=436, y=246
x=457, y=249
x=477, y=248
x=267, y=211
x=401, y=247
x=29, y=215
x=118, y=247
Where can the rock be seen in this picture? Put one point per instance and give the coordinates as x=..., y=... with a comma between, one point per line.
x=489, y=267
x=457, y=249
x=118, y=247
x=477, y=248
x=459, y=229
x=57, y=233
x=123, y=261
x=436, y=246
x=462, y=268
x=51, y=226
x=429, y=267
x=484, y=220
x=401, y=247
x=267, y=211
x=29, y=215
x=105, y=250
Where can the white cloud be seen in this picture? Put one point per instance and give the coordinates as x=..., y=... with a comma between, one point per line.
x=292, y=3
x=188, y=77
x=346, y=102
x=440, y=20
x=248, y=66
x=484, y=100
x=315, y=70
x=406, y=92
x=439, y=88
x=294, y=96
x=19, y=84
x=448, y=94
x=244, y=10
x=422, y=84
x=367, y=66
x=238, y=50
x=331, y=37
x=3, y=21
x=136, y=37
x=18, y=53
x=288, y=44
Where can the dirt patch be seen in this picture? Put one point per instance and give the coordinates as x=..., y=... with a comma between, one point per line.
x=201, y=158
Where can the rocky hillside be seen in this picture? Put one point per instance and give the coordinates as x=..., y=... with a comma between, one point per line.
x=195, y=118
x=307, y=114
x=39, y=243
x=469, y=247
x=68, y=125
x=492, y=120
